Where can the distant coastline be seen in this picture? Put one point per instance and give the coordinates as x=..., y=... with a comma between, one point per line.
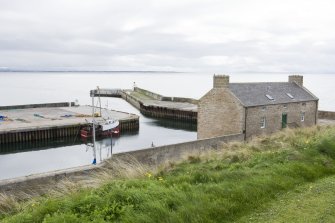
x=88, y=71
x=8, y=70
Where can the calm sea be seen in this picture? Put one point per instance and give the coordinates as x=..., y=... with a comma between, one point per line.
x=28, y=88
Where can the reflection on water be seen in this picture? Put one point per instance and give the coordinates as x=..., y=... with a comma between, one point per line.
x=12, y=148
x=103, y=149
x=170, y=124
x=37, y=157
x=38, y=145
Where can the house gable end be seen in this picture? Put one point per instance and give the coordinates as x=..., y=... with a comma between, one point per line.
x=219, y=113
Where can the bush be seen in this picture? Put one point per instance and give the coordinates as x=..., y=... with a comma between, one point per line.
x=327, y=146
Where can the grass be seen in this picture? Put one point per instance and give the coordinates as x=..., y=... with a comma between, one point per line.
x=259, y=181
x=310, y=202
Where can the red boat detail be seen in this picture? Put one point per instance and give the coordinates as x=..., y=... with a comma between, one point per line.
x=106, y=129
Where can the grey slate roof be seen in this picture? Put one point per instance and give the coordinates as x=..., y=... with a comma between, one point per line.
x=254, y=94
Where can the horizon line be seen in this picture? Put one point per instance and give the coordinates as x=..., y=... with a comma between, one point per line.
x=153, y=71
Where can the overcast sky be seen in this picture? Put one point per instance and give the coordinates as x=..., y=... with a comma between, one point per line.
x=179, y=35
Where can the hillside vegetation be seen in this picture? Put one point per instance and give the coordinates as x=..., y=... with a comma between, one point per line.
x=286, y=177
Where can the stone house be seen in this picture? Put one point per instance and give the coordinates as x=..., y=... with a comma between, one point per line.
x=255, y=108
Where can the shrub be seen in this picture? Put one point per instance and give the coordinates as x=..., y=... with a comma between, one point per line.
x=327, y=146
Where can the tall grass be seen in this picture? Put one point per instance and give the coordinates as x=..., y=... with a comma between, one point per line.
x=9, y=204
x=221, y=186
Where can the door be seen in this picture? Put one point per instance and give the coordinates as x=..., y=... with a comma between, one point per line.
x=284, y=120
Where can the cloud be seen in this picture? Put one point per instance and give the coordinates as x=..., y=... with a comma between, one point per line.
x=184, y=35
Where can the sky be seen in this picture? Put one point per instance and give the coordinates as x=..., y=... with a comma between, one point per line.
x=295, y=36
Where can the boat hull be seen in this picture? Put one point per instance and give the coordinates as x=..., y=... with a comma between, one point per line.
x=87, y=132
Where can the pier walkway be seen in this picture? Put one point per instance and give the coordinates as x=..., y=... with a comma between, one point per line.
x=155, y=105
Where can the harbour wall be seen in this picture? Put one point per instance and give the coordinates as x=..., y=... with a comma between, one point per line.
x=129, y=125
x=150, y=110
x=44, y=105
x=106, y=93
x=56, y=132
x=149, y=93
x=159, y=111
x=153, y=95
x=131, y=100
x=168, y=113
x=165, y=98
x=326, y=115
x=155, y=156
x=37, y=134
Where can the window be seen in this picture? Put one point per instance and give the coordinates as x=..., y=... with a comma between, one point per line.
x=285, y=106
x=263, y=108
x=263, y=122
x=291, y=96
x=302, y=116
x=269, y=97
x=304, y=104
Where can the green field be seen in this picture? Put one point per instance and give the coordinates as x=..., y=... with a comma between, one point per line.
x=286, y=177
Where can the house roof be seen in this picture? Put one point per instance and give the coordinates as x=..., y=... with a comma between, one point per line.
x=268, y=93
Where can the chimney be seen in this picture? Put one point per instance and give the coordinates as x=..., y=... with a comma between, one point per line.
x=221, y=81
x=298, y=79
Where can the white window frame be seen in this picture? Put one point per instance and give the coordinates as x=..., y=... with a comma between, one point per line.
x=302, y=116
x=263, y=122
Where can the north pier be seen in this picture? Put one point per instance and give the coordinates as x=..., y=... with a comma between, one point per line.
x=155, y=105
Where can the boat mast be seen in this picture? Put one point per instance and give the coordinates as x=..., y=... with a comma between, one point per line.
x=93, y=131
x=99, y=100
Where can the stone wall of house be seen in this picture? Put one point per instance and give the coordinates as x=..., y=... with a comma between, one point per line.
x=219, y=113
x=273, y=117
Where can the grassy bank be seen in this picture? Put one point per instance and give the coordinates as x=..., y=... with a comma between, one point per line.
x=310, y=202
x=256, y=181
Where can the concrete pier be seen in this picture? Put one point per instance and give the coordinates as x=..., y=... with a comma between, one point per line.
x=45, y=123
x=155, y=105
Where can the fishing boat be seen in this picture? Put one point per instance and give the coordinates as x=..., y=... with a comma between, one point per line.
x=100, y=129
x=107, y=128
